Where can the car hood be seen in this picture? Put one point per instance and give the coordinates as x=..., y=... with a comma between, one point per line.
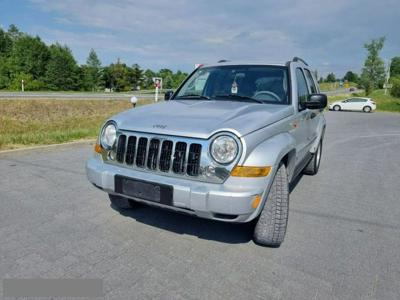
x=201, y=119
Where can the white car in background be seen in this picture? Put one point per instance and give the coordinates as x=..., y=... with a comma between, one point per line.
x=355, y=103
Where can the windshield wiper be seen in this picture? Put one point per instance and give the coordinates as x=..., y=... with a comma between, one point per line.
x=238, y=97
x=193, y=96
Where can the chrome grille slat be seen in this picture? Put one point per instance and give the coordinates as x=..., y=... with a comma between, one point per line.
x=166, y=156
x=121, y=148
x=141, y=152
x=130, y=150
x=178, y=165
x=193, y=161
x=152, y=155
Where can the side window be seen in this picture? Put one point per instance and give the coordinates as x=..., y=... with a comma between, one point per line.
x=302, y=90
x=311, y=81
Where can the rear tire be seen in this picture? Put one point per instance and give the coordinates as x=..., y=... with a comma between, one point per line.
x=337, y=108
x=271, y=226
x=367, y=109
x=122, y=202
x=313, y=166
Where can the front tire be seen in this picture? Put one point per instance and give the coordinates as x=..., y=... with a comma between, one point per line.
x=271, y=226
x=367, y=109
x=313, y=166
x=122, y=202
x=337, y=108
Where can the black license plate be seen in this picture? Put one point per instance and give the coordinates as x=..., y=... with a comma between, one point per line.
x=146, y=190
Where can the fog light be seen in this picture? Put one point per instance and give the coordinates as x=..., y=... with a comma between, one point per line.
x=256, y=201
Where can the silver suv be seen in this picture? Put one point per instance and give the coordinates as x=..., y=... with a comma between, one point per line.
x=225, y=146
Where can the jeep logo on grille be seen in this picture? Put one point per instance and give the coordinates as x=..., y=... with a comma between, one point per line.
x=159, y=126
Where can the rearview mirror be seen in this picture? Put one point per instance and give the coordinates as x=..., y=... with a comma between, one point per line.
x=168, y=95
x=316, y=101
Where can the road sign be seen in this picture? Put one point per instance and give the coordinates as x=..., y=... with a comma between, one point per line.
x=387, y=86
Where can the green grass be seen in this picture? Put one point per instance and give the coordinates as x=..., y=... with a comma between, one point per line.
x=332, y=86
x=383, y=102
x=42, y=122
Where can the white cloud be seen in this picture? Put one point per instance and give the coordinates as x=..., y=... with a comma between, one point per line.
x=181, y=32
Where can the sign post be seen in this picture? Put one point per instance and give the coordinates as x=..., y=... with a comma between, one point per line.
x=22, y=85
x=157, y=84
x=387, y=86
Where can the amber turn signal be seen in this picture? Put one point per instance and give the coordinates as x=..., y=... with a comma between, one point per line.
x=98, y=148
x=244, y=171
x=256, y=201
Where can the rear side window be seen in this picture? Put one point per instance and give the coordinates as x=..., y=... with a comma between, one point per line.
x=302, y=90
x=311, y=81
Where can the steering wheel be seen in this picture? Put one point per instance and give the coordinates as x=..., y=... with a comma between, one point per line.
x=267, y=93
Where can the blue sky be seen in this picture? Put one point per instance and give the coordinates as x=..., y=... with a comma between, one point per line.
x=179, y=33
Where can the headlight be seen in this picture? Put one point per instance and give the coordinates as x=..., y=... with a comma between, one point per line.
x=224, y=149
x=108, y=136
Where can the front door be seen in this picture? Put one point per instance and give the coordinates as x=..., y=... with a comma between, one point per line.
x=302, y=129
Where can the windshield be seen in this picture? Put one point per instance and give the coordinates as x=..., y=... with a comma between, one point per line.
x=253, y=83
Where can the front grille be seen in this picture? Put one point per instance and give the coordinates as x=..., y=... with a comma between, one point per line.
x=159, y=154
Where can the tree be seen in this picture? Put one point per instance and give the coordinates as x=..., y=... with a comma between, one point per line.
x=395, y=90
x=148, y=79
x=62, y=70
x=136, y=76
x=5, y=43
x=92, y=72
x=116, y=77
x=14, y=32
x=178, y=78
x=30, y=84
x=351, y=77
x=395, y=66
x=29, y=56
x=373, y=72
x=330, y=78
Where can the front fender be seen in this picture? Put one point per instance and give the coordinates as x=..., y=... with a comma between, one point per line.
x=272, y=151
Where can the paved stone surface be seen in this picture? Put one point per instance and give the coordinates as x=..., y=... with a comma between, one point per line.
x=343, y=237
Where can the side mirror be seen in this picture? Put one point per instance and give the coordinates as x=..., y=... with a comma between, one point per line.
x=168, y=95
x=316, y=101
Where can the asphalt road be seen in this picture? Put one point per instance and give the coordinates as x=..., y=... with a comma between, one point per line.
x=102, y=96
x=341, y=91
x=74, y=96
x=343, y=236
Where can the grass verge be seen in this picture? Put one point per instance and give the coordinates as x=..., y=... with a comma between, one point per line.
x=43, y=122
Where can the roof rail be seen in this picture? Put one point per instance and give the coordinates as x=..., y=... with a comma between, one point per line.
x=300, y=60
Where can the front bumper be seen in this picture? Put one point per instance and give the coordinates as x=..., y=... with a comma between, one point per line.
x=230, y=201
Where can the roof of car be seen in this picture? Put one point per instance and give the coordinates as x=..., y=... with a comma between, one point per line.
x=235, y=63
